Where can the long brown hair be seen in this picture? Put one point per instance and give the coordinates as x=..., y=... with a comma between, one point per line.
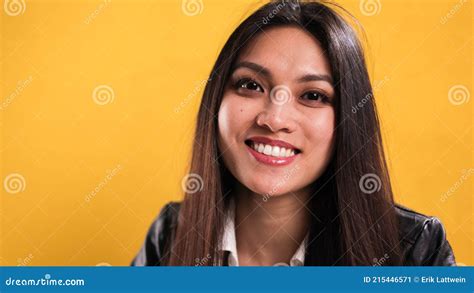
x=352, y=227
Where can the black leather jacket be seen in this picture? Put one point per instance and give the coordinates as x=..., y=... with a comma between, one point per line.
x=423, y=239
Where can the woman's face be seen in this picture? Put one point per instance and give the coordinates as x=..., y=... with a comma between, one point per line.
x=276, y=120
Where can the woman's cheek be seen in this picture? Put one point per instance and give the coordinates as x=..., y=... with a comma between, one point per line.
x=320, y=139
x=239, y=112
x=232, y=120
x=322, y=126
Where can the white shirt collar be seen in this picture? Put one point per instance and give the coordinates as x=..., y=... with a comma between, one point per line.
x=229, y=242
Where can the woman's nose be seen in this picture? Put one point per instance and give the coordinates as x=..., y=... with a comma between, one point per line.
x=277, y=113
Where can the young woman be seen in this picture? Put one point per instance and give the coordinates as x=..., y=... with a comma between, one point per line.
x=291, y=174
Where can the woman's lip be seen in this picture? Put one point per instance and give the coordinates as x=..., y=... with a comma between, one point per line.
x=270, y=160
x=272, y=142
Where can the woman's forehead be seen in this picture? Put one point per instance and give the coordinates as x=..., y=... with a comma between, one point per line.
x=286, y=50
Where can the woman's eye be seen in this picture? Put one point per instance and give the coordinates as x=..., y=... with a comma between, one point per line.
x=315, y=97
x=249, y=85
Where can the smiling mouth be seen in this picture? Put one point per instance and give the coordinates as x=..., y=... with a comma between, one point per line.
x=272, y=150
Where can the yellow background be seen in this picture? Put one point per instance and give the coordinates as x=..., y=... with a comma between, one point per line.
x=134, y=149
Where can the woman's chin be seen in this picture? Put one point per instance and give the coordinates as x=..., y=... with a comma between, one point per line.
x=269, y=188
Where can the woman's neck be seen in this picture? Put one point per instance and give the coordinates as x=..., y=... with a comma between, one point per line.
x=269, y=231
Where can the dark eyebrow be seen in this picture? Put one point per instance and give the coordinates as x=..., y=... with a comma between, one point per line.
x=259, y=69
x=315, y=77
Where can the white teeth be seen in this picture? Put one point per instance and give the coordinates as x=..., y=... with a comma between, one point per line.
x=273, y=151
x=267, y=150
x=282, y=152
